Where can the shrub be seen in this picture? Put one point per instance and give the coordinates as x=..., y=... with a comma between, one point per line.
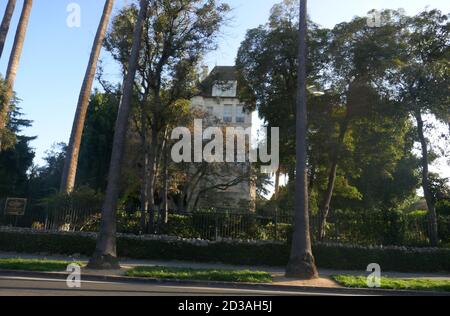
x=331, y=256
x=444, y=229
x=74, y=210
x=443, y=208
x=180, y=225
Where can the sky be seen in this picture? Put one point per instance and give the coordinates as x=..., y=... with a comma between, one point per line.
x=55, y=56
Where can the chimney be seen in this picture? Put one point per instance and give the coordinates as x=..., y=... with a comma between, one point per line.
x=205, y=73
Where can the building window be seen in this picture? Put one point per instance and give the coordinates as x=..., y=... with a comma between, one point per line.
x=240, y=114
x=210, y=110
x=225, y=89
x=228, y=113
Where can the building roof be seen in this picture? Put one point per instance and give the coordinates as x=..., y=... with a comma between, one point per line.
x=218, y=74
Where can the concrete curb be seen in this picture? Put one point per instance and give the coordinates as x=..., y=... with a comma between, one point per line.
x=229, y=285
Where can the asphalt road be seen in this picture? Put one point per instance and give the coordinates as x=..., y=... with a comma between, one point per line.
x=28, y=286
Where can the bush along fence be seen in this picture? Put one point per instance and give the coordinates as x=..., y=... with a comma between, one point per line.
x=81, y=213
x=328, y=255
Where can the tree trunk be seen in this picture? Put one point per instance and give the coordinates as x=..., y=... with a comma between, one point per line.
x=144, y=194
x=326, y=202
x=291, y=177
x=324, y=209
x=151, y=176
x=301, y=263
x=165, y=204
x=71, y=162
x=144, y=186
x=105, y=256
x=277, y=184
x=432, y=217
x=4, y=28
x=13, y=64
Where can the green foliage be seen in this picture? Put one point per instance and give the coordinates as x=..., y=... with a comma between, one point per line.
x=395, y=283
x=177, y=35
x=439, y=188
x=45, y=180
x=180, y=225
x=355, y=123
x=16, y=156
x=35, y=264
x=201, y=274
x=96, y=144
x=328, y=256
x=267, y=67
x=60, y=208
x=127, y=223
x=422, y=75
x=443, y=208
x=418, y=214
x=7, y=136
x=82, y=198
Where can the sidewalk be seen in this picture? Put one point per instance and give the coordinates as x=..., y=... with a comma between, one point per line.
x=277, y=272
x=322, y=286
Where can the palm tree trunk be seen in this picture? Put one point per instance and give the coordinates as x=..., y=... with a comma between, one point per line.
x=105, y=256
x=71, y=162
x=13, y=64
x=301, y=263
x=4, y=28
x=432, y=217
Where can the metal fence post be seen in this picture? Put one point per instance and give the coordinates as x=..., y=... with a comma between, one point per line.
x=276, y=223
x=216, y=220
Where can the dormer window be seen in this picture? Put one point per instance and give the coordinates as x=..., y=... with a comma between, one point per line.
x=225, y=89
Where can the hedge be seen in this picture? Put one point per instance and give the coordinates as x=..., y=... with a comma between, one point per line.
x=330, y=256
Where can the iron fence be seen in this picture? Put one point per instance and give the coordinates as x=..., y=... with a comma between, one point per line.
x=379, y=228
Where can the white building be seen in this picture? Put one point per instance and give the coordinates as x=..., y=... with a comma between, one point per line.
x=218, y=98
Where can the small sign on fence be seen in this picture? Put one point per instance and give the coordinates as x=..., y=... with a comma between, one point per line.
x=15, y=206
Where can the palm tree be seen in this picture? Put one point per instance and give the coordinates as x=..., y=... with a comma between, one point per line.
x=13, y=64
x=301, y=263
x=105, y=255
x=4, y=28
x=71, y=163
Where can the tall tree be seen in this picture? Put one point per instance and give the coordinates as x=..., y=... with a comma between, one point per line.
x=16, y=161
x=97, y=140
x=4, y=28
x=268, y=77
x=73, y=150
x=422, y=82
x=178, y=34
x=13, y=64
x=301, y=263
x=358, y=57
x=105, y=256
